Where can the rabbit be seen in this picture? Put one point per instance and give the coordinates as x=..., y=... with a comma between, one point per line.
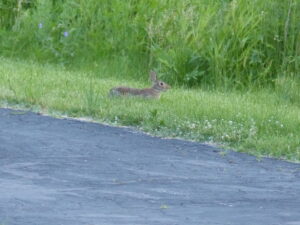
x=153, y=92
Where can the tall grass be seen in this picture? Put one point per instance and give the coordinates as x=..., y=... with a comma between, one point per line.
x=220, y=43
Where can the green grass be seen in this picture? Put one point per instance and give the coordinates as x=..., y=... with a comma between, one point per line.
x=239, y=58
x=258, y=122
x=222, y=43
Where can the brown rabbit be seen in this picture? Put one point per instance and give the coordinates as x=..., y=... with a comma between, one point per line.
x=153, y=92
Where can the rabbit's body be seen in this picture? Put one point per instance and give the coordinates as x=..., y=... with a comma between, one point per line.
x=147, y=92
x=153, y=92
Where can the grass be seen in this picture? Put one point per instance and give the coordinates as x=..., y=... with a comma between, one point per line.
x=231, y=43
x=239, y=62
x=262, y=122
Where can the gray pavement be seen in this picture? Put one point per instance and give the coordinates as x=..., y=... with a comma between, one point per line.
x=62, y=171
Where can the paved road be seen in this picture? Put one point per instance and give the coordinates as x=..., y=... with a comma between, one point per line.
x=61, y=172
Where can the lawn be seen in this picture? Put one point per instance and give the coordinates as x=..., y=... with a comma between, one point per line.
x=263, y=123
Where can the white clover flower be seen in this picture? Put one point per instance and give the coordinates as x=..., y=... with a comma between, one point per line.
x=252, y=131
x=208, y=126
x=192, y=125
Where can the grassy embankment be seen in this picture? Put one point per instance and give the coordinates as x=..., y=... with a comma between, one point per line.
x=234, y=66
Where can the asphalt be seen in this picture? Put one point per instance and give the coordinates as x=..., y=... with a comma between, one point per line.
x=64, y=171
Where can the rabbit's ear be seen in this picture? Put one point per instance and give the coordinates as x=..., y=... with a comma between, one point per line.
x=153, y=76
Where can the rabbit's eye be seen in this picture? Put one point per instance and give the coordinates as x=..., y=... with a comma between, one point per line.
x=161, y=84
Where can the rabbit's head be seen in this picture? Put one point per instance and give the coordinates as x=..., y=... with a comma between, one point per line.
x=158, y=84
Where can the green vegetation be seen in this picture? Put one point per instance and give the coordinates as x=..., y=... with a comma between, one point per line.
x=234, y=66
x=262, y=122
x=220, y=43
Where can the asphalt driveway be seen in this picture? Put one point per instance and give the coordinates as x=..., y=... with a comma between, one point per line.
x=62, y=171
